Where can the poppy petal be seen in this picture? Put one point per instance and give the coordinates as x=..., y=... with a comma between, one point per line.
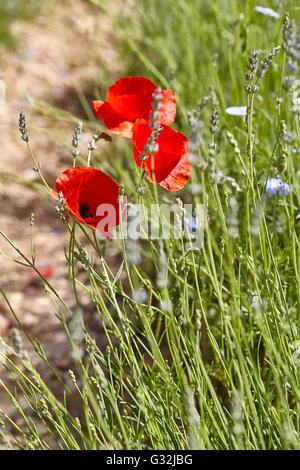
x=131, y=98
x=179, y=176
x=170, y=164
x=113, y=120
x=168, y=108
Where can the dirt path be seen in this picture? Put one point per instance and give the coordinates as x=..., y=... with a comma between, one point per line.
x=54, y=52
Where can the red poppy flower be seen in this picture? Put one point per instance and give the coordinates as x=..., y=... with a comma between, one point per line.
x=170, y=163
x=131, y=98
x=91, y=197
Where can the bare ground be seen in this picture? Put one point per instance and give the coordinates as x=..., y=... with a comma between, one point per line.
x=55, y=51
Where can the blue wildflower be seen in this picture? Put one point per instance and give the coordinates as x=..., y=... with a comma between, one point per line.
x=217, y=176
x=275, y=185
x=191, y=223
x=267, y=11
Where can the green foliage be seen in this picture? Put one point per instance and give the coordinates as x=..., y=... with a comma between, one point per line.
x=206, y=355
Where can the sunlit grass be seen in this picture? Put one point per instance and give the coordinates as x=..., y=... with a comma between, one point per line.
x=208, y=356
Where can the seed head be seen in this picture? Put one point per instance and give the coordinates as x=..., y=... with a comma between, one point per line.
x=23, y=127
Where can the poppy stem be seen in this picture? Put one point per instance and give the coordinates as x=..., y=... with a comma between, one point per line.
x=154, y=179
x=37, y=167
x=32, y=247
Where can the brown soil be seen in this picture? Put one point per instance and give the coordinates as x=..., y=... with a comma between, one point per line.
x=67, y=45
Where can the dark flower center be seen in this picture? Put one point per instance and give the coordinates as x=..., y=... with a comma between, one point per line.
x=85, y=211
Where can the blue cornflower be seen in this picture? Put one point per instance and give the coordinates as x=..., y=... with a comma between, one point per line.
x=275, y=185
x=267, y=11
x=191, y=223
x=217, y=176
